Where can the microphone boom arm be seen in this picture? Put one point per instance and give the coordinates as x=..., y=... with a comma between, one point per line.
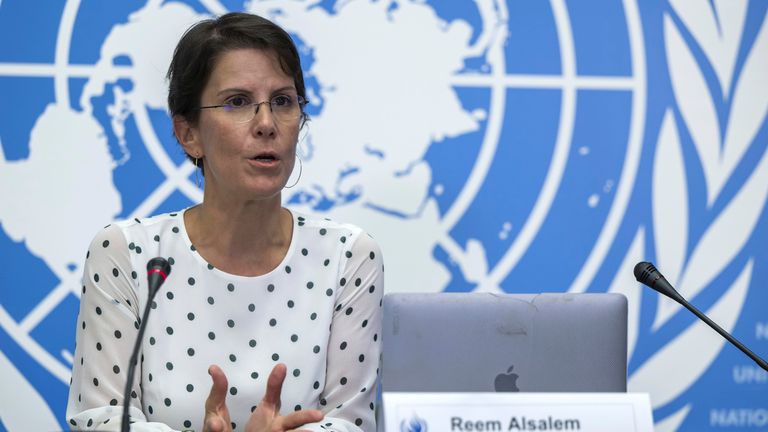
x=647, y=274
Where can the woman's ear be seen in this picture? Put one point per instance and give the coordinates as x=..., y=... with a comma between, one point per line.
x=186, y=135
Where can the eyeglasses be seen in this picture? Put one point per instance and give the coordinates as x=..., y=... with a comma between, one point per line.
x=285, y=109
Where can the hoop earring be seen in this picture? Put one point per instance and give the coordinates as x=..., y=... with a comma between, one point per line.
x=197, y=173
x=301, y=169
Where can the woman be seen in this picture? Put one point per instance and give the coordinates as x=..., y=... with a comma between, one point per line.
x=282, y=310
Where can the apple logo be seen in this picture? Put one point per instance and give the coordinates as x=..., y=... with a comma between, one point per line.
x=506, y=382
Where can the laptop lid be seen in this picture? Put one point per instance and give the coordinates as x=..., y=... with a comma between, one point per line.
x=482, y=342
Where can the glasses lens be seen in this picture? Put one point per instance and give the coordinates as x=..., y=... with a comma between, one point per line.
x=286, y=108
x=240, y=114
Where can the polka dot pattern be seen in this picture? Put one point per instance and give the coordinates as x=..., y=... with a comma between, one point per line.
x=246, y=325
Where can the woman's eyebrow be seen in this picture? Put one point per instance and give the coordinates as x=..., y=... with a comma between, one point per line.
x=284, y=89
x=231, y=90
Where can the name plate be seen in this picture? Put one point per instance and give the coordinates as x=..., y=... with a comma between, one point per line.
x=513, y=412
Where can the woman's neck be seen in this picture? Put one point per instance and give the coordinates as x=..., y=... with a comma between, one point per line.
x=246, y=238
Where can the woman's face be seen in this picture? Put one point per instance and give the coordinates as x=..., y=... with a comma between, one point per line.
x=251, y=160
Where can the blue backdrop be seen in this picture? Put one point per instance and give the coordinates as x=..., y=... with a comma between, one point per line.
x=517, y=146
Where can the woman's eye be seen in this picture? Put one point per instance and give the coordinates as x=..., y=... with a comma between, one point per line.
x=281, y=100
x=237, y=102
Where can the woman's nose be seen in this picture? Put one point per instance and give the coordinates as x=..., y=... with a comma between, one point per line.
x=263, y=119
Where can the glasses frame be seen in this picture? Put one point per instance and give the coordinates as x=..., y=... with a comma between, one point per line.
x=257, y=105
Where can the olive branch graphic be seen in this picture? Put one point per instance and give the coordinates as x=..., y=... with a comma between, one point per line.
x=692, y=260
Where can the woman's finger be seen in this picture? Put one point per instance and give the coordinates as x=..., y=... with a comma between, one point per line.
x=300, y=418
x=218, y=393
x=275, y=386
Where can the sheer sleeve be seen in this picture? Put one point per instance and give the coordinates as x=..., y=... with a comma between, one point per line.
x=348, y=399
x=107, y=325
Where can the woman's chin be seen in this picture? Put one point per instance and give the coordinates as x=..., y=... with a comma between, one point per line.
x=266, y=190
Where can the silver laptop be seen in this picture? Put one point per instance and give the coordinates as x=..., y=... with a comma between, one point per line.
x=480, y=342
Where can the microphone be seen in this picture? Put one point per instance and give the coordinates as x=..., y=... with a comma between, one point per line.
x=158, y=270
x=648, y=275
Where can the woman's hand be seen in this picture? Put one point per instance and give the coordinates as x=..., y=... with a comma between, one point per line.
x=265, y=418
x=216, y=412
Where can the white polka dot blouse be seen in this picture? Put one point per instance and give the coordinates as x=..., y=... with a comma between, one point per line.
x=318, y=312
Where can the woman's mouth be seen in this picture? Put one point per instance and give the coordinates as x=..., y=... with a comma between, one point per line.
x=265, y=159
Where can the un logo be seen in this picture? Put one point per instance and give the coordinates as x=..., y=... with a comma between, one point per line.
x=414, y=424
x=490, y=146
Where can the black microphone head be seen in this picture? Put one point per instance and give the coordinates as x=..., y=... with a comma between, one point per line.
x=159, y=264
x=647, y=274
x=643, y=272
x=158, y=270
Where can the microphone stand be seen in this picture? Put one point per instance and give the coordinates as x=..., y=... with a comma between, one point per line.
x=158, y=270
x=647, y=274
